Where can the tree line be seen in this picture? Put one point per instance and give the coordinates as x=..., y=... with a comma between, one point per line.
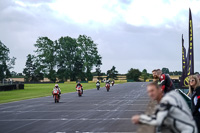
x=65, y=59
x=6, y=62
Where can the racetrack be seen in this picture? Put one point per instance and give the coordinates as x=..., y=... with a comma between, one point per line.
x=95, y=111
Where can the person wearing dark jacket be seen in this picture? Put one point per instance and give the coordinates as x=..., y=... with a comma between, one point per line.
x=194, y=92
x=164, y=79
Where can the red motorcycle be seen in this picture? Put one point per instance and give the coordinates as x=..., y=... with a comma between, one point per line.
x=79, y=90
x=56, y=95
x=107, y=86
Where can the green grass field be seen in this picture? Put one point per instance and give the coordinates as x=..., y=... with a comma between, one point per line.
x=40, y=90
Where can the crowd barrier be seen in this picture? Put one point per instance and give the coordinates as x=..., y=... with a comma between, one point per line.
x=11, y=87
x=187, y=98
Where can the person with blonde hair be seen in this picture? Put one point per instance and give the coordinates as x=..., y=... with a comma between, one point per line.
x=194, y=91
x=193, y=83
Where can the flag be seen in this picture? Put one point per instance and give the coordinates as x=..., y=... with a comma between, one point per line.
x=190, y=55
x=184, y=68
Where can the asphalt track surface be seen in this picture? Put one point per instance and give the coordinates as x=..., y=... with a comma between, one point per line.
x=94, y=112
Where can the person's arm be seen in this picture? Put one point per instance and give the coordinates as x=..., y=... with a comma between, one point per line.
x=163, y=81
x=156, y=119
x=197, y=106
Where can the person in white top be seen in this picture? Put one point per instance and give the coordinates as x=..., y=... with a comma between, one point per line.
x=172, y=111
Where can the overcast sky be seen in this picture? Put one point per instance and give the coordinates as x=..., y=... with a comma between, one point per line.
x=129, y=33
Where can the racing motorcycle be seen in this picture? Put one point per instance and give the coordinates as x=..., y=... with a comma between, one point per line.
x=107, y=86
x=98, y=86
x=79, y=90
x=56, y=96
x=113, y=83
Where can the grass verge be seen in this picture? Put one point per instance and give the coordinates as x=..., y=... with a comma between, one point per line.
x=39, y=90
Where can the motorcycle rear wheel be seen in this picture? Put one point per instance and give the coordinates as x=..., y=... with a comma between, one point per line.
x=79, y=94
x=55, y=99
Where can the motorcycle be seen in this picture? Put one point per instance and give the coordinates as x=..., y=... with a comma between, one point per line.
x=56, y=95
x=79, y=90
x=113, y=83
x=98, y=86
x=107, y=87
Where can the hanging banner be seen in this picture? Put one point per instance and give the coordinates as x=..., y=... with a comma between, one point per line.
x=184, y=68
x=190, y=55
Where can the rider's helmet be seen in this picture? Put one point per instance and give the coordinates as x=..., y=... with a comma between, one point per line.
x=78, y=82
x=97, y=80
x=56, y=85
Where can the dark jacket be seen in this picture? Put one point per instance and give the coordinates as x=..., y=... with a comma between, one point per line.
x=166, y=83
x=196, y=101
x=79, y=85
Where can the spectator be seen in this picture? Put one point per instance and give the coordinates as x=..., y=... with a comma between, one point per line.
x=155, y=77
x=165, y=81
x=172, y=112
x=194, y=91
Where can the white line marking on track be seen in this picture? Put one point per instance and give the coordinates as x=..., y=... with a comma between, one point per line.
x=65, y=119
x=68, y=111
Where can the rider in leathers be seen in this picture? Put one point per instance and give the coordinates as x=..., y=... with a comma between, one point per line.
x=79, y=84
x=97, y=82
x=57, y=87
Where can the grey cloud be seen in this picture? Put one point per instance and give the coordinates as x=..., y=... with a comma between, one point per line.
x=120, y=44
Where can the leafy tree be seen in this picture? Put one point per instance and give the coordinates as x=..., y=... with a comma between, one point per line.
x=89, y=54
x=99, y=74
x=165, y=70
x=133, y=74
x=112, y=73
x=78, y=70
x=67, y=53
x=145, y=75
x=19, y=74
x=175, y=73
x=67, y=58
x=6, y=63
x=151, y=76
x=13, y=73
x=46, y=54
x=33, y=70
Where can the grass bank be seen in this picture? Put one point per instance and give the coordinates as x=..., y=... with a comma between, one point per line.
x=40, y=90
